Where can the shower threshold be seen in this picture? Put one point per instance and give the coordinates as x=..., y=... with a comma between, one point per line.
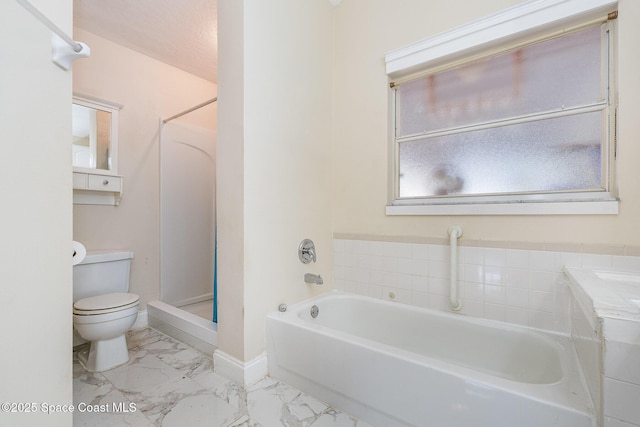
x=183, y=326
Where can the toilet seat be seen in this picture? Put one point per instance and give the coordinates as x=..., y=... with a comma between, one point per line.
x=108, y=303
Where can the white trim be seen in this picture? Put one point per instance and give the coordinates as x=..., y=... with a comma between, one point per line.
x=93, y=102
x=518, y=21
x=607, y=207
x=242, y=373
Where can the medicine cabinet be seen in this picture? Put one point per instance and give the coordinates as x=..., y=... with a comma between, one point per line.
x=95, y=152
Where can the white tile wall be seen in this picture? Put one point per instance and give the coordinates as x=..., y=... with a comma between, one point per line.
x=621, y=401
x=525, y=287
x=621, y=373
x=511, y=285
x=612, y=422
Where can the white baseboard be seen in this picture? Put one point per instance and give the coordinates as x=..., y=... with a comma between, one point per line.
x=242, y=373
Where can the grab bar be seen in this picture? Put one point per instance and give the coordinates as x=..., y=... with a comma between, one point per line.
x=455, y=231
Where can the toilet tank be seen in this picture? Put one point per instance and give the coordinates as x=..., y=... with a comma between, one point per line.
x=101, y=272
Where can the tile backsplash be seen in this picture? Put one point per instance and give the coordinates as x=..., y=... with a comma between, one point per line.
x=520, y=286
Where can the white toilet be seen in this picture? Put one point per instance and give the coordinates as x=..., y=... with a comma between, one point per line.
x=103, y=310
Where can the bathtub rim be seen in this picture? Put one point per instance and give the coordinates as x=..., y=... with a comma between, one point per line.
x=550, y=337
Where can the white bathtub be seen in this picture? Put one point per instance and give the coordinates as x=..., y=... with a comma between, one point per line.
x=391, y=364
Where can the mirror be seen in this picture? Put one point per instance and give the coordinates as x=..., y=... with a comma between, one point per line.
x=95, y=135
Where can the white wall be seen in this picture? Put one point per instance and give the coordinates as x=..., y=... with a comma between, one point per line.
x=35, y=225
x=277, y=135
x=288, y=88
x=148, y=90
x=230, y=178
x=365, y=31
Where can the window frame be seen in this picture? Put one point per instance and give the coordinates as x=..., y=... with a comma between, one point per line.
x=537, y=20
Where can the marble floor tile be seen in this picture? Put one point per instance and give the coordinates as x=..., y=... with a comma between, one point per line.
x=272, y=403
x=168, y=383
x=99, y=403
x=142, y=337
x=200, y=410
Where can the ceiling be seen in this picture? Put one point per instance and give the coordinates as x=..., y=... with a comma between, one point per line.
x=181, y=33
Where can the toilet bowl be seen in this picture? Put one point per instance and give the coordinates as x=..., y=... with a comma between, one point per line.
x=104, y=320
x=100, y=316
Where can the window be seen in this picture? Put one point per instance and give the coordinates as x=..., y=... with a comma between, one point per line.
x=529, y=125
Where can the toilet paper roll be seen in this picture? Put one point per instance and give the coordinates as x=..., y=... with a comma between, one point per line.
x=79, y=252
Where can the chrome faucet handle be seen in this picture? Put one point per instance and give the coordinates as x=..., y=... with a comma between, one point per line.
x=307, y=251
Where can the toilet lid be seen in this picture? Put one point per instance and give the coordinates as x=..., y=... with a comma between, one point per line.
x=105, y=303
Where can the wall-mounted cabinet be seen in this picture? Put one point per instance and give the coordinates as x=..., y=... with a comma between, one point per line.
x=95, y=152
x=96, y=189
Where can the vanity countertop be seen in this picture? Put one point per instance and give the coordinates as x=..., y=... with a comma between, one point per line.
x=606, y=293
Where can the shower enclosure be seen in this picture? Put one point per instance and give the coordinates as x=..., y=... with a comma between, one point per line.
x=186, y=309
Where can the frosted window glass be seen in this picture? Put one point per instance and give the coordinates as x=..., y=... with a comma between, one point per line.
x=560, y=154
x=552, y=75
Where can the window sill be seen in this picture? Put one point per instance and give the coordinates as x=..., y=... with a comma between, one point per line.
x=599, y=207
